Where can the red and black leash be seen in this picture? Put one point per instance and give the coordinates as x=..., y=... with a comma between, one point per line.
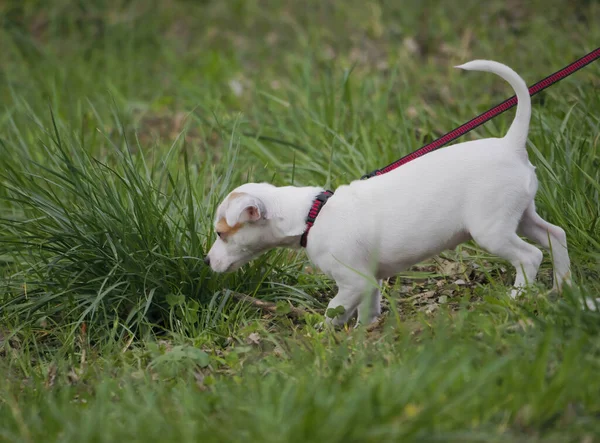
x=488, y=115
x=322, y=198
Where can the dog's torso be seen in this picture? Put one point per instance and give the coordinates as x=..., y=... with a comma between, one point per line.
x=393, y=221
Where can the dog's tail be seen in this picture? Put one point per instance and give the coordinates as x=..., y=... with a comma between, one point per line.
x=517, y=132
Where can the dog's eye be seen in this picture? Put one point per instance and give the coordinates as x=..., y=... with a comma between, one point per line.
x=219, y=234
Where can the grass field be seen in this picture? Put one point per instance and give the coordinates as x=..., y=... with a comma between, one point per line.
x=124, y=122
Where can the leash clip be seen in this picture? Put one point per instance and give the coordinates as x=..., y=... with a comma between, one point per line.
x=370, y=174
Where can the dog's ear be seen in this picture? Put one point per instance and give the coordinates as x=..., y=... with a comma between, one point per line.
x=244, y=208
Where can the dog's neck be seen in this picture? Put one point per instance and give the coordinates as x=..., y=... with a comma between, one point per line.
x=288, y=209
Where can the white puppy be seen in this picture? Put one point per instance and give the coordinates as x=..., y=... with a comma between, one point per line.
x=372, y=229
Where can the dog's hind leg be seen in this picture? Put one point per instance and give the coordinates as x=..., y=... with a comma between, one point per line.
x=550, y=237
x=525, y=257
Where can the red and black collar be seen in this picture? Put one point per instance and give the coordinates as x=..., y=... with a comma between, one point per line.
x=316, y=207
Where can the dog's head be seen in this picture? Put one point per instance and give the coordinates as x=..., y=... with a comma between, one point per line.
x=244, y=228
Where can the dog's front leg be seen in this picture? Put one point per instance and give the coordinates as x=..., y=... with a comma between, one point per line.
x=349, y=297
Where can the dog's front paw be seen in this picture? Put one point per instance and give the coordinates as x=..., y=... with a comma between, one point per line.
x=371, y=320
x=329, y=323
x=518, y=291
x=320, y=326
x=336, y=317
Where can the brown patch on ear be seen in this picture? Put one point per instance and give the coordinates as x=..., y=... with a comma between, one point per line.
x=235, y=195
x=225, y=229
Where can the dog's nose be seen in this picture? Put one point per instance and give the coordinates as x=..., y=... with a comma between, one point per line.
x=207, y=260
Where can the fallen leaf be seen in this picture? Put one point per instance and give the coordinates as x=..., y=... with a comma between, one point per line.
x=253, y=339
x=451, y=268
x=51, y=376
x=73, y=376
x=411, y=45
x=429, y=309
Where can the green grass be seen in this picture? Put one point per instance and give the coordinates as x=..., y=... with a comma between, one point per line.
x=124, y=123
